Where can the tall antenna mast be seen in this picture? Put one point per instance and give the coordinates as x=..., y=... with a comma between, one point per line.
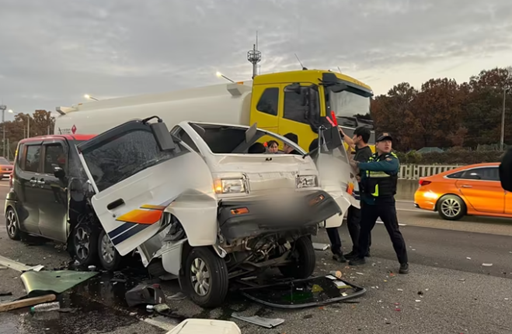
x=254, y=57
x=303, y=68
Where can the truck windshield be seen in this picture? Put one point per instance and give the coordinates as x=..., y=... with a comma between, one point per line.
x=352, y=110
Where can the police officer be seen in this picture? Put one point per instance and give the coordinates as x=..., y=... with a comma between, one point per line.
x=379, y=177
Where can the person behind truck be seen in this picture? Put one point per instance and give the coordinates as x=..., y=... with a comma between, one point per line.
x=273, y=146
x=294, y=138
x=359, y=142
x=379, y=178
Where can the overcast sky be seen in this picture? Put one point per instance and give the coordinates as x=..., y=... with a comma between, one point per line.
x=54, y=51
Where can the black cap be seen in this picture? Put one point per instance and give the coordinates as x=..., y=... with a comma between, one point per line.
x=384, y=136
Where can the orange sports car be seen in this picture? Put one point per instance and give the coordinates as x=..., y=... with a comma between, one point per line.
x=469, y=190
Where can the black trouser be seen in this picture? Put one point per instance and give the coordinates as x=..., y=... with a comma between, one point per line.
x=334, y=238
x=386, y=212
x=354, y=228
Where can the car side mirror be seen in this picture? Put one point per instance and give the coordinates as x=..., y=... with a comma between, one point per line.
x=58, y=172
x=162, y=136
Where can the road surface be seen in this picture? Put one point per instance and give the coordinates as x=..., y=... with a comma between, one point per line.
x=448, y=289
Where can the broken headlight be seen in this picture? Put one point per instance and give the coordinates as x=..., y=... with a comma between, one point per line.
x=230, y=186
x=306, y=181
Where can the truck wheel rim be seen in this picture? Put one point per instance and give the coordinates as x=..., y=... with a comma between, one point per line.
x=450, y=207
x=107, y=249
x=200, y=277
x=11, y=223
x=82, y=241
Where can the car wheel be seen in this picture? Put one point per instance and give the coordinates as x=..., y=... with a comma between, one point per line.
x=451, y=207
x=84, y=246
x=206, y=277
x=303, y=260
x=12, y=225
x=110, y=259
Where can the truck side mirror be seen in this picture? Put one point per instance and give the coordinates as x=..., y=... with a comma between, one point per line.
x=163, y=136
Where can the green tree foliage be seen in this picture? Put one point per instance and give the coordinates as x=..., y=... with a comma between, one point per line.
x=41, y=123
x=445, y=114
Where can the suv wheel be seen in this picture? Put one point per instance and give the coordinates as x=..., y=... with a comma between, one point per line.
x=84, y=243
x=303, y=259
x=206, y=277
x=110, y=258
x=12, y=225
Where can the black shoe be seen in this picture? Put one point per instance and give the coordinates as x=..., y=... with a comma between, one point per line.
x=404, y=268
x=357, y=261
x=367, y=255
x=351, y=255
x=339, y=258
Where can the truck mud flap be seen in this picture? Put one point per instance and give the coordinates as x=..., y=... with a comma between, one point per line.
x=303, y=293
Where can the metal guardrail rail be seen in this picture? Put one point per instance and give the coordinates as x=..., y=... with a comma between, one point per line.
x=414, y=172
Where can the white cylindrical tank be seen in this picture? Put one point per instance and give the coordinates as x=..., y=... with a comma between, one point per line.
x=225, y=103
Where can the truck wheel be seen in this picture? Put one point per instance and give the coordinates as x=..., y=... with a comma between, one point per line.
x=110, y=259
x=304, y=260
x=205, y=277
x=84, y=243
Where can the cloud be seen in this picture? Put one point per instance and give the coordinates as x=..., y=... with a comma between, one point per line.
x=54, y=51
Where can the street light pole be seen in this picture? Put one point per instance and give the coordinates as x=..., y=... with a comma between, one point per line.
x=3, y=107
x=502, y=138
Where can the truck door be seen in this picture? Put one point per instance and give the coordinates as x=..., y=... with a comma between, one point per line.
x=134, y=181
x=265, y=104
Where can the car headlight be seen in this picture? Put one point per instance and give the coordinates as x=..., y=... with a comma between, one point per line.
x=230, y=186
x=306, y=181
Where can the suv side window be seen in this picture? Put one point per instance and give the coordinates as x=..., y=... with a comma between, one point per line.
x=269, y=101
x=457, y=175
x=484, y=174
x=54, y=155
x=32, y=158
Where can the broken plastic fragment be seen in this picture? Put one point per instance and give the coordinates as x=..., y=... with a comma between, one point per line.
x=400, y=289
x=468, y=258
x=359, y=273
x=418, y=300
x=487, y=264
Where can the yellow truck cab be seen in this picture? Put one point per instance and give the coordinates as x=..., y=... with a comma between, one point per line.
x=299, y=101
x=283, y=102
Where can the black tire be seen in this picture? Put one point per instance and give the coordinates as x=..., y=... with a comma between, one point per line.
x=12, y=225
x=109, y=257
x=218, y=281
x=304, y=260
x=451, y=207
x=84, y=243
x=156, y=269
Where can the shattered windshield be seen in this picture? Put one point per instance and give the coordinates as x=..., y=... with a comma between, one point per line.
x=223, y=139
x=117, y=159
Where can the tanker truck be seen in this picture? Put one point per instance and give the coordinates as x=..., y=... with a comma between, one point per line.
x=294, y=101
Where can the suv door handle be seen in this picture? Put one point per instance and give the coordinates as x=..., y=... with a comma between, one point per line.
x=115, y=204
x=466, y=186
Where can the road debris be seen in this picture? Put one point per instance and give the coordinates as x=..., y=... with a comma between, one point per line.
x=26, y=302
x=192, y=326
x=53, y=281
x=320, y=246
x=487, y=264
x=177, y=296
x=145, y=294
x=5, y=293
x=401, y=290
x=256, y=320
x=468, y=258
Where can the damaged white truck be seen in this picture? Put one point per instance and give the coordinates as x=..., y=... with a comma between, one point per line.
x=194, y=203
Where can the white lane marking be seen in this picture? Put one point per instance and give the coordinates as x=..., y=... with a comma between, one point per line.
x=381, y=222
x=15, y=265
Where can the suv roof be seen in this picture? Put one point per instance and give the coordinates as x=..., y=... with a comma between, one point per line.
x=68, y=137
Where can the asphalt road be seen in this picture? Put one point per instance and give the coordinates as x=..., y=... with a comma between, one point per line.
x=447, y=291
